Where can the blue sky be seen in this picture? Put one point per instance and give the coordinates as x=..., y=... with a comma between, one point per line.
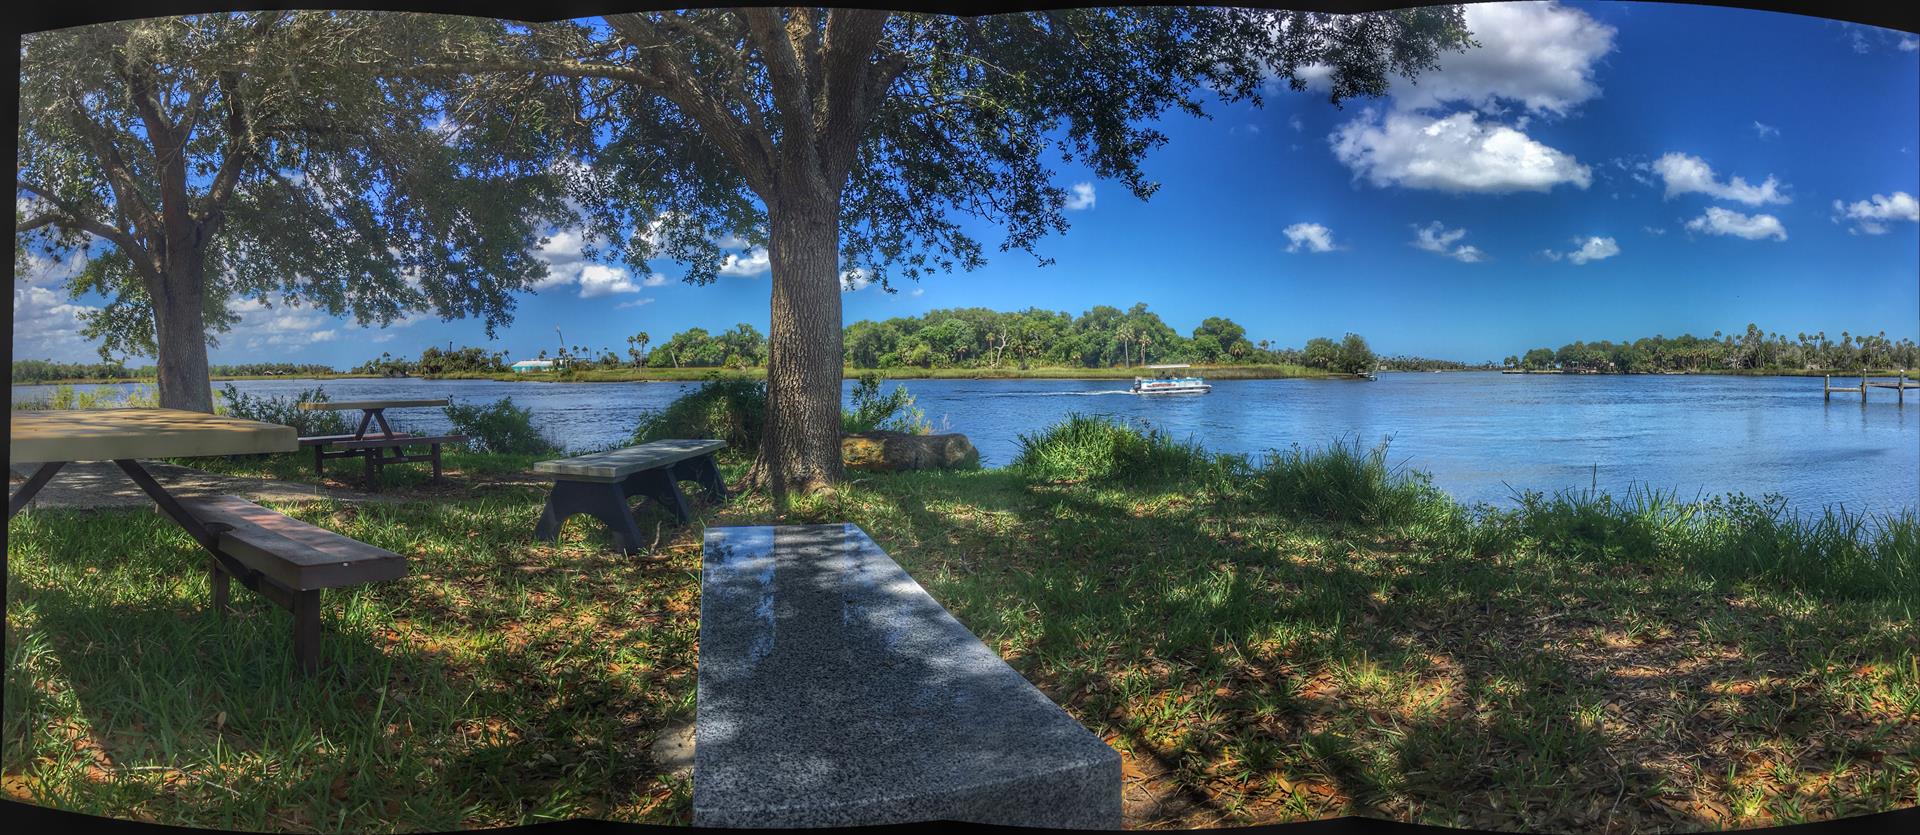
x=1593, y=171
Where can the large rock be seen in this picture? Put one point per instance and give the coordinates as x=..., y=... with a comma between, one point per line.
x=887, y=452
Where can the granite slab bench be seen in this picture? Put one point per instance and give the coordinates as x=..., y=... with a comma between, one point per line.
x=834, y=691
x=289, y=562
x=600, y=484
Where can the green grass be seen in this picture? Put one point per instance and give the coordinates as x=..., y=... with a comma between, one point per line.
x=1572, y=665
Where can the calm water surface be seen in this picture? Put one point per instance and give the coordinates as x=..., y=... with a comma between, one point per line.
x=1482, y=436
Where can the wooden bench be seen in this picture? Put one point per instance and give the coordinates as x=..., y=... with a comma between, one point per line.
x=289, y=562
x=834, y=691
x=599, y=485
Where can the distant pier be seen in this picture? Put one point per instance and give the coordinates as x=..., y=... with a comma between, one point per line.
x=1899, y=385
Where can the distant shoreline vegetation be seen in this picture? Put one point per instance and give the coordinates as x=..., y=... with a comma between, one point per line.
x=1752, y=352
x=1102, y=343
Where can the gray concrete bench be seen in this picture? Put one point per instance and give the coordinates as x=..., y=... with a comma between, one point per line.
x=290, y=563
x=834, y=691
x=599, y=485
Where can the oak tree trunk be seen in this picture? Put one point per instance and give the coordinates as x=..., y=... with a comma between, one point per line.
x=180, y=335
x=800, y=451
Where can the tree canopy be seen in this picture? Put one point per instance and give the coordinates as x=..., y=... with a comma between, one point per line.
x=194, y=161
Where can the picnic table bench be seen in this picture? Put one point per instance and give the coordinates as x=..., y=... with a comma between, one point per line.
x=284, y=559
x=373, y=449
x=600, y=484
x=834, y=691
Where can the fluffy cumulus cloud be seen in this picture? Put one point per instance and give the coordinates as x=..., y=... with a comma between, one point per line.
x=1081, y=197
x=1436, y=238
x=46, y=325
x=747, y=264
x=278, y=325
x=567, y=267
x=1684, y=174
x=1457, y=153
x=1871, y=215
x=1311, y=237
x=855, y=279
x=1539, y=55
x=44, y=271
x=1718, y=221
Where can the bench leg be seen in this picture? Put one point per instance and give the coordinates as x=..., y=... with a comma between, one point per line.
x=436, y=462
x=222, y=586
x=319, y=460
x=367, y=466
x=306, y=630
x=603, y=501
x=708, y=474
x=660, y=486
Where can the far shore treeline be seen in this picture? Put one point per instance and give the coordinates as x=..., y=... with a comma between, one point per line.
x=1100, y=341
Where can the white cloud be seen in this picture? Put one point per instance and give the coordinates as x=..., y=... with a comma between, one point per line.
x=600, y=280
x=1436, y=238
x=918, y=292
x=567, y=266
x=1541, y=55
x=1311, y=236
x=281, y=324
x=1870, y=215
x=43, y=271
x=1686, y=174
x=1909, y=43
x=1081, y=198
x=1718, y=221
x=1765, y=131
x=1654, y=230
x=1295, y=123
x=46, y=325
x=634, y=303
x=654, y=280
x=1456, y=153
x=753, y=262
x=854, y=279
x=1593, y=249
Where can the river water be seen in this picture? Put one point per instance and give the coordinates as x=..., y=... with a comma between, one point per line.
x=1482, y=436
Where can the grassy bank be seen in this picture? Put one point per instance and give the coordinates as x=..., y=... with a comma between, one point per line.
x=1309, y=636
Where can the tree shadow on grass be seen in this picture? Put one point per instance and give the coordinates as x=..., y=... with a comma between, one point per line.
x=1534, y=720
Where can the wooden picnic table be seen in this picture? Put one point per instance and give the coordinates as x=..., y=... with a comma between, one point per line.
x=373, y=448
x=371, y=411
x=284, y=559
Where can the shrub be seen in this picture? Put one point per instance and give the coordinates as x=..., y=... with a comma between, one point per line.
x=1343, y=484
x=1083, y=448
x=734, y=411
x=891, y=412
x=499, y=427
x=1836, y=552
x=285, y=411
x=1644, y=527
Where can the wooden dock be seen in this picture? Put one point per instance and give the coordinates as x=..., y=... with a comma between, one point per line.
x=1900, y=385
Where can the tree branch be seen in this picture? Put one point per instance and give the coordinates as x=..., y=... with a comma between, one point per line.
x=854, y=85
x=70, y=217
x=789, y=83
